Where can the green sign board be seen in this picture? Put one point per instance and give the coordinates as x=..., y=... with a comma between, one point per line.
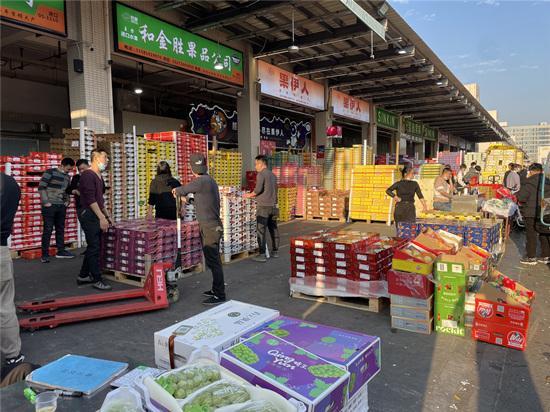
x=413, y=128
x=44, y=15
x=148, y=37
x=429, y=133
x=387, y=119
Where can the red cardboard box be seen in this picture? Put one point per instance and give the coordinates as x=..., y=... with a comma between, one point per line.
x=495, y=306
x=409, y=284
x=498, y=334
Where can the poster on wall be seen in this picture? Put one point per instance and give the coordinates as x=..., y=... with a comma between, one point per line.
x=285, y=132
x=44, y=15
x=267, y=147
x=148, y=37
x=288, y=86
x=214, y=122
x=347, y=106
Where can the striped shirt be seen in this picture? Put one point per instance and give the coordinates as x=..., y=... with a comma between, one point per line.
x=53, y=187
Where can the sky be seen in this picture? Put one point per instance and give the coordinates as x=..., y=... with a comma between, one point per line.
x=504, y=46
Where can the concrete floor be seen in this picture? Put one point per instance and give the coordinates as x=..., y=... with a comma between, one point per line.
x=419, y=373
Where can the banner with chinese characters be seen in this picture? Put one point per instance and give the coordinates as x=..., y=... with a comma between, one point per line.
x=347, y=106
x=214, y=122
x=285, y=132
x=46, y=15
x=443, y=138
x=287, y=86
x=387, y=119
x=146, y=36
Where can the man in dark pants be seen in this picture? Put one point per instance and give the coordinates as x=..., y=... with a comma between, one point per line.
x=207, y=205
x=54, y=198
x=93, y=219
x=530, y=204
x=81, y=165
x=267, y=212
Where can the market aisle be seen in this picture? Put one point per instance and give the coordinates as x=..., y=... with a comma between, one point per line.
x=419, y=373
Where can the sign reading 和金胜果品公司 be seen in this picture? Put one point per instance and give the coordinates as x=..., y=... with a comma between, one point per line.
x=148, y=37
x=43, y=15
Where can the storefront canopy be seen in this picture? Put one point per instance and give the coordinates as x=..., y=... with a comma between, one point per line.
x=335, y=45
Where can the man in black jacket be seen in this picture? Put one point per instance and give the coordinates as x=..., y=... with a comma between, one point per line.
x=530, y=204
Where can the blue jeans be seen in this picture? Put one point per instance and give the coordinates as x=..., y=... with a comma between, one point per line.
x=444, y=206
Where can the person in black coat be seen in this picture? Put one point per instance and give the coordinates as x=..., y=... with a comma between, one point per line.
x=160, y=193
x=530, y=205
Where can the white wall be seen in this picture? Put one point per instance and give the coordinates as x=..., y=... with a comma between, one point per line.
x=145, y=123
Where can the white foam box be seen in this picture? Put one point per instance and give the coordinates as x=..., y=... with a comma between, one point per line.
x=218, y=328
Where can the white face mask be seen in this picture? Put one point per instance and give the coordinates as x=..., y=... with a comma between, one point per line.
x=102, y=166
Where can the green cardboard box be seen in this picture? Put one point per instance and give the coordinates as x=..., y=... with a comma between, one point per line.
x=450, y=296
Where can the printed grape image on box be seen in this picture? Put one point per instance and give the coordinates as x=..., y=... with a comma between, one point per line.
x=358, y=353
x=272, y=363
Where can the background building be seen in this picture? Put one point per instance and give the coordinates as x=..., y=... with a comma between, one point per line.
x=530, y=138
x=473, y=88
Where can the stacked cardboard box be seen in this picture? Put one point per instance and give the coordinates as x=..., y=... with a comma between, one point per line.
x=497, y=160
x=450, y=297
x=328, y=163
x=428, y=173
x=238, y=216
x=344, y=161
x=286, y=196
x=478, y=157
x=251, y=180
x=287, y=174
x=131, y=246
x=71, y=143
x=368, y=198
x=225, y=167
x=327, y=204
x=502, y=312
x=308, y=176
x=57, y=145
x=27, y=225
x=454, y=159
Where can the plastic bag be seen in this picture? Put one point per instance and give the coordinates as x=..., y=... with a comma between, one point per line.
x=123, y=399
x=216, y=395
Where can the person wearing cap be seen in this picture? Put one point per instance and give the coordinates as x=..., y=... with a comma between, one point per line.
x=530, y=205
x=207, y=205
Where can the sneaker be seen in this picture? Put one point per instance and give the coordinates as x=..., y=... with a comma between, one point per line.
x=275, y=254
x=213, y=300
x=84, y=280
x=208, y=293
x=102, y=285
x=64, y=254
x=259, y=258
x=528, y=261
x=543, y=260
x=14, y=361
x=45, y=259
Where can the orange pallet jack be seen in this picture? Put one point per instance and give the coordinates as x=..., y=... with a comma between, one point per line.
x=153, y=296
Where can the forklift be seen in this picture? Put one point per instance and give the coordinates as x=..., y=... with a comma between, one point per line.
x=160, y=289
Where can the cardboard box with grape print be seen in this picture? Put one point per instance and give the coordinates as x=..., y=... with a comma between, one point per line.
x=273, y=363
x=358, y=353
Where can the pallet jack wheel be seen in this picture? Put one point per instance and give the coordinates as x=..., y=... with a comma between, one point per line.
x=173, y=294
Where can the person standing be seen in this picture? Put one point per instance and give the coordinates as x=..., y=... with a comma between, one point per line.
x=403, y=193
x=530, y=205
x=267, y=211
x=10, y=342
x=72, y=189
x=160, y=193
x=443, y=191
x=510, y=169
x=93, y=219
x=54, y=199
x=207, y=204
x=461, y=184
x=512, y=181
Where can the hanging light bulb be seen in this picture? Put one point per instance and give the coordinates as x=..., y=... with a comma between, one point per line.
x=218, y=65
x=293, y=48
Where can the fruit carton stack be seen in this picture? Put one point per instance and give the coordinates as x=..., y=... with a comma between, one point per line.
x=225, y=167
x=327, y=204
x=454, y=159
x=368, y=198
x=57, y=145
x=502, y=312
x=308, y=176
x=328, y=177
x=313, y=201
x=478, y=157
x=129, y=177
x=428, y=173
x=251, y=180
x=27, y=225
x=498, y=158
x=147, y=167
x=71, y=143
x=286, y=196
x=238, y=217
x=191, y=245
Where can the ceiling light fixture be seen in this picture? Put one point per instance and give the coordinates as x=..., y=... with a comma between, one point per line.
x=293, y=48
x=138, y=90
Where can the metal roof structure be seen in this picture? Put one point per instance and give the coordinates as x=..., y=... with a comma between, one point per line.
x=399, y=73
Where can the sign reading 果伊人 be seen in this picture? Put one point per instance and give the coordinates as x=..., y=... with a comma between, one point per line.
x=347, y=106
x=146, y=36
x=287, y=86
x=46, y=15
x=387, y=119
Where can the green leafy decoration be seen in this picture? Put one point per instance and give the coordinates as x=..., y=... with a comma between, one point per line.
x=307, y=325
x=328, y=339
x=276, y=325
x=272, y=342
x=281, y=333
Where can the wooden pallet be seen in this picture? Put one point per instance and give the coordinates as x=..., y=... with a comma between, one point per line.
x=236, y=257
x=327, y=219
x=16, y=254
x=139, y=280
x=369, y=221
x=363, y=304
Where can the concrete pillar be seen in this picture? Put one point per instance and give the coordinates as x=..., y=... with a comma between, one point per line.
x=90, y=92
x=322, y=121
x=372, y=128
x=248, y=107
